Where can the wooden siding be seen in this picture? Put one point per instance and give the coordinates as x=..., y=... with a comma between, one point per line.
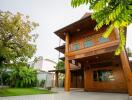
x=118, y=85
x=92, y=35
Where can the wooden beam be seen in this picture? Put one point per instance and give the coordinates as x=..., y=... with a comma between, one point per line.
x=127, y=71
x=67, y=65
x=102, y=48
x=99, y=62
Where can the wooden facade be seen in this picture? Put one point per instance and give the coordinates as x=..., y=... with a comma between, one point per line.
x=96, y=66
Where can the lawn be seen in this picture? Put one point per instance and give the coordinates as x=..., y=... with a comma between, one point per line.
x=22, y=91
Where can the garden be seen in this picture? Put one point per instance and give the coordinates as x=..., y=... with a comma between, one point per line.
x=17, y=76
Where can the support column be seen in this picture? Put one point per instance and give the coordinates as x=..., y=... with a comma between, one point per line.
x=56, y=79
x=127, y=71
x=67, y=65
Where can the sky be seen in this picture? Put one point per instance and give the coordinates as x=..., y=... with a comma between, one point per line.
x=51, y=16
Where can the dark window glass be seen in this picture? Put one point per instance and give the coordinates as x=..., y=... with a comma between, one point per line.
x=75, y=47
x=88, y=43
x=103, y=40
x=103, y=75
x=95, y=76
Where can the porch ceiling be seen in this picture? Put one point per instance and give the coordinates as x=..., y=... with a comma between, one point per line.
x=98, y=59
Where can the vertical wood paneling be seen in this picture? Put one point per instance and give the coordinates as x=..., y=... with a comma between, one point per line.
x=127, y=71
x=118, y=85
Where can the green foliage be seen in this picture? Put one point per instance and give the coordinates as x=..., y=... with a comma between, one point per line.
x=16, y=40
x=16, y=44
x=116, y=13
x=60, y=65
x=41, y=83
x=23, y=77
x=6, y=76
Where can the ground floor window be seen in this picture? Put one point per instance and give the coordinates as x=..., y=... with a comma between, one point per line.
x=103, y=75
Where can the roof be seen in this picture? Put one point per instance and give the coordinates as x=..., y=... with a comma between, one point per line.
x=63, y=70
x=43, y=72
x=50, y=61
x=85, y=23
x=86, y=15
x=61, y=48
x=62, y=58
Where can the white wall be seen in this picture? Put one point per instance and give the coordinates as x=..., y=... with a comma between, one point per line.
x=48, y=65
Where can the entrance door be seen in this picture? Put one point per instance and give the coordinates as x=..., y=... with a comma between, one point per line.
x=77, y=79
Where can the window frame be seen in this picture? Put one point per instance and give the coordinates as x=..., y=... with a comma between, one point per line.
x=97, y=79
x=72, y=46
x=88, y=40
x=104, y=41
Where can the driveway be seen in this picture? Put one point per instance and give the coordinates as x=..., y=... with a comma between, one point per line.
x=73, y=95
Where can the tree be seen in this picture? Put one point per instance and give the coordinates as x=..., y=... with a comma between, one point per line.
x=115, y=13
x=16, y=44
x=60, y=65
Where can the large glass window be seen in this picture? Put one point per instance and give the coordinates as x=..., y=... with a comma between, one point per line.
x=88, y=43
x=75, y=46
x=103, y=40
x=103, y=75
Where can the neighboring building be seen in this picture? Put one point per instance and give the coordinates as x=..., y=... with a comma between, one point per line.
x=47, y=76
x=43, y=64
x=48, y=64
x=39, y=63
x=96, y=68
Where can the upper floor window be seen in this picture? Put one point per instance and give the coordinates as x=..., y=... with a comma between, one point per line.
x=103, y=40
x=75, y=46
x=88, y=43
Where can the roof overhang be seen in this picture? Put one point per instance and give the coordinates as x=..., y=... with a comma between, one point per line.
x=61, y=49
x=83, y=24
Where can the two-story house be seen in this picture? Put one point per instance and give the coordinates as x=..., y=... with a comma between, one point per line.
x=96, y=66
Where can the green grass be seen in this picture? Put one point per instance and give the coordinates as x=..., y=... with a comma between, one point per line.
x=21, y=91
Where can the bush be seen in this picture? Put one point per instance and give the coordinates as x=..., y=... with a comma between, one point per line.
x=23, y=77
x=5, y=77
x=40, y=83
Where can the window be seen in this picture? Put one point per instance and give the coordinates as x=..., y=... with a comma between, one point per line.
x=73, y=62
x=88, y=43
x=103, y=75
x=103, y=40
x=75, y=46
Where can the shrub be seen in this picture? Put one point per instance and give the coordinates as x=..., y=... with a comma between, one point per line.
x=23, y=77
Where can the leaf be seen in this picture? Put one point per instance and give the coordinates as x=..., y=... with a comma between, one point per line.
x=117, y=13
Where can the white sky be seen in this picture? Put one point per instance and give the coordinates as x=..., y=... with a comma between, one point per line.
x=51, y=16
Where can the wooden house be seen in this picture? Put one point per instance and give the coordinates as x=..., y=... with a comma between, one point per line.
x=90, y=60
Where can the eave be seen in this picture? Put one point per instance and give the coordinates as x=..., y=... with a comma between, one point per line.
x=61, y=49
x=83, y=24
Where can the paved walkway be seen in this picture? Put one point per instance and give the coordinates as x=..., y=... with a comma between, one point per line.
x=73, y=95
